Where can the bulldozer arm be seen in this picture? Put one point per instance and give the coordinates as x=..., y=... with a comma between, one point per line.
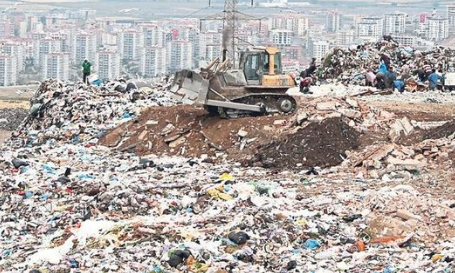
x=191, y=88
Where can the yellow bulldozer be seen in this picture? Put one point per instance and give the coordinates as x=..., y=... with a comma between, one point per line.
x=258, y=86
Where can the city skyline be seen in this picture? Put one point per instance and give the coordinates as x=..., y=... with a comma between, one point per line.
x=36, y=45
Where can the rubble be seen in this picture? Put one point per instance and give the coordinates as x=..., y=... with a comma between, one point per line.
x=96, y=182
x=348, y=66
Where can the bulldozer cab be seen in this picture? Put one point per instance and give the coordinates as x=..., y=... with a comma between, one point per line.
x=257, y=63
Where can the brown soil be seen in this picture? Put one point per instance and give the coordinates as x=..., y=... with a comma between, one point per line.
x=265, y=144
x=322, y=145
x=318, y=144
x=441, y=131
x=203, y=134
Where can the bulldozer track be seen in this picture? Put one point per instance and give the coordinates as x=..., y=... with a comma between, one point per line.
x=272, y=103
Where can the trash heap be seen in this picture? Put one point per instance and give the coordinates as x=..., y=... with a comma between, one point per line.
x=72, y=205
x=76, y=112
x=348, y=66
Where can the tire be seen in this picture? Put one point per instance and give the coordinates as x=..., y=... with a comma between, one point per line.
x=286, y=105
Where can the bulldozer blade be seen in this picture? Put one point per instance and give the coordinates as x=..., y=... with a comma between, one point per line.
x=189, y=87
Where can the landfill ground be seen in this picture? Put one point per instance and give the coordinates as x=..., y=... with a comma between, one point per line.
x=124, y=178
x=101, y=181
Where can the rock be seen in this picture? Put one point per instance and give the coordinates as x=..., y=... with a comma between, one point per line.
x=350, y=113
x=326, y=106
x=242, y=133
x=291, y=265
x=333, y=115
x=406, y=164
x=168, y=129
x=151, y=122
x=177, y=142
x=440, y=213
x=178, y=257
x=383, y=226
x=352, y=102
x=407, y=126
x=395, y=131
x=406, y=215
x=300, y=118
x=280, y=122
x=386, y=115
x=172, y=138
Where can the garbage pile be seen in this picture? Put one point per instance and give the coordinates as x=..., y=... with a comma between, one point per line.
x=71, y=204
x=348, y=66
x=87, y=209
x=73, y=112
x=11, y=118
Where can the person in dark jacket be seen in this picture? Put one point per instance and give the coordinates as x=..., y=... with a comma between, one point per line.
x=386, y=60
x=86, y=69
x=390, y=77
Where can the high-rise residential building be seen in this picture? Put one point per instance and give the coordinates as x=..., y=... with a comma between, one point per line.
x=405, y=40
x=84, y=47
x=153, y=35
x=333, y=21
x=16, y=50
x=319, y=49
x=179, y=55
x=437, y=29
x=394, y=23
x=8, y=71
x=107, y=65
x=191, y=34
x=154, y=61
x=210, y=43
x=346, y=37
x=46, y=46
x=299, y=24
x=281, y=37
x=451, y=16
x=130, y=44
x=6, y=29
x=56, y=66
x=370, y=27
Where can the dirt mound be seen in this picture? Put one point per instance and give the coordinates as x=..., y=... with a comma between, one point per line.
x=268, y=141
x=190, y=131
x=441, y=131
x=318, y=144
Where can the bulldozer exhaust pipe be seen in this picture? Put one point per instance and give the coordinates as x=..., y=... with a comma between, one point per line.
x=224, y=54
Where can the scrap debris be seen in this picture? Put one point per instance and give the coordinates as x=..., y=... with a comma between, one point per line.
x=93, y=180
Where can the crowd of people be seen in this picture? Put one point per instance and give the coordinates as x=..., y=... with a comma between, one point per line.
x=384, y=65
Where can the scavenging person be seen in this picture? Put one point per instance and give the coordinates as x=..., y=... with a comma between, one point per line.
x=86, y=68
